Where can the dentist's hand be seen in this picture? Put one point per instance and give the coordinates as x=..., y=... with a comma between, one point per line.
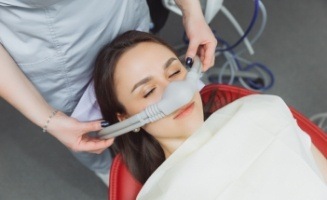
x=202, y=41
x=73, y=134
x=17, y=90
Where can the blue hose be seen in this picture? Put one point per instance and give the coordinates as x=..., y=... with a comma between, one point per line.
x=253, y=20
x=250, y=82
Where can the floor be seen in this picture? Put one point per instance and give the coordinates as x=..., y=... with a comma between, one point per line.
x=35, y=166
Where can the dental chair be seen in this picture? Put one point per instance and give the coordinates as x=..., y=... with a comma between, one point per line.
x=123, y=186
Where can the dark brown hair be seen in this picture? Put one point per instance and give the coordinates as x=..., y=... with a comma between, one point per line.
x=140, y=151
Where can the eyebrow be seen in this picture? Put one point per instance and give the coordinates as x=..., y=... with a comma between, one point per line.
x=147, y=79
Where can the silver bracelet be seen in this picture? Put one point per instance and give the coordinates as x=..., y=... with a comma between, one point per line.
x=44, y=129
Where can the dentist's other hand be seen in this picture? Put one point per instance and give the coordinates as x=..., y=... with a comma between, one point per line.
x=74, y=134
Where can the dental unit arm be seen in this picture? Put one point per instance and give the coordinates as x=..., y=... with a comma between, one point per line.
x=176, y=95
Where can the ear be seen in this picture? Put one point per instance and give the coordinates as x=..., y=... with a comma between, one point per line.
x=121, y=117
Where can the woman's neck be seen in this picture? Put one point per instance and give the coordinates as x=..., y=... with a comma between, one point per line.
x=170, y=145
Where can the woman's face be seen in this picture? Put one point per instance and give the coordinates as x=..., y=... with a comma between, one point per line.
x=141, y=76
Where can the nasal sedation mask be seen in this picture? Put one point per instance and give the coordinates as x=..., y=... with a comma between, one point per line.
x=176, y=95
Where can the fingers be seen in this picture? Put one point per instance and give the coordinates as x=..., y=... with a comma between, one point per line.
x=91, y=126
x=192, y=49
x=92, y=145
x=84, y=142
x=209, y=55
x=98, y=143
x=206, y=52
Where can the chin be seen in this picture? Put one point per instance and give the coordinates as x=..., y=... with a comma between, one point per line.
x=191, y=125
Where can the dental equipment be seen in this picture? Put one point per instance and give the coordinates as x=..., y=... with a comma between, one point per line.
x=251, y=75
x=320, y=120
x=176, y=95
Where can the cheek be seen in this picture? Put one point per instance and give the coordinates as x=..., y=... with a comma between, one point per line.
x=160, y=128
x=137, y=104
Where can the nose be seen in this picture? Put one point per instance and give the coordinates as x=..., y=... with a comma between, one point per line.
x=164, y=82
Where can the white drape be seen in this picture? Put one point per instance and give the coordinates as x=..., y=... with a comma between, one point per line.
x=250, y=149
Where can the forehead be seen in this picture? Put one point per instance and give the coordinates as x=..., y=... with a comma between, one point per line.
x=145, y=52
x=142, y=59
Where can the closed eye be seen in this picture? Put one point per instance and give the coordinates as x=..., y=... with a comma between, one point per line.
x=149, y=93
x=175, y=73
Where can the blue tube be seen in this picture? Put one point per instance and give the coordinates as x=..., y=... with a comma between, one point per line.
x=254, y=18
x=264, y=68
x=249, y=67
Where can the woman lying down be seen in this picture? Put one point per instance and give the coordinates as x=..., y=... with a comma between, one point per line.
x=250, y=149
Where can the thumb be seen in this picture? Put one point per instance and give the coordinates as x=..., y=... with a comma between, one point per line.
x=92, y=126
x=192, y=49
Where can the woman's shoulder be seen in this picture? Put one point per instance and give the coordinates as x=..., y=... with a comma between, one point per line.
x=268, y=98
x=257, y=107
x=266, y=111
x=255, y=104
x=265, y=102
x=262, y=109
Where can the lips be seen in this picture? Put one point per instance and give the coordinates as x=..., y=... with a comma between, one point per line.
x=185, y=110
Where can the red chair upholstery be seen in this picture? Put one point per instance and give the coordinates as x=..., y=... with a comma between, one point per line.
x=122, y=183
x=124, y=187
